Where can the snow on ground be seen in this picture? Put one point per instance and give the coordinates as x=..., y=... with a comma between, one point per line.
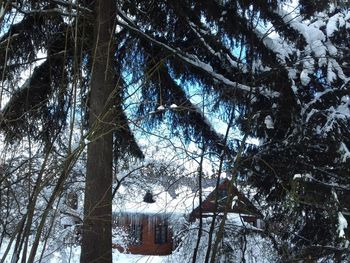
x=128, y=258
x=72, y=255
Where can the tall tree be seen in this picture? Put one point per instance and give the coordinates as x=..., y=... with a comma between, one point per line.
x=97, y=234
x=292, y=87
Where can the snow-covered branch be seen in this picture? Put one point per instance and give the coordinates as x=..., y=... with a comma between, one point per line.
x=190, y=59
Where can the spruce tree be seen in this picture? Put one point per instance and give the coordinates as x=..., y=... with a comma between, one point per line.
x=284, y=76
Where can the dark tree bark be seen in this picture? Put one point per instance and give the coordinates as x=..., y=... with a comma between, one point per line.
x=97, y=235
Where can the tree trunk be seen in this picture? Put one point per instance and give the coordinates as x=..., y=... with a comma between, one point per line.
x=97, y=234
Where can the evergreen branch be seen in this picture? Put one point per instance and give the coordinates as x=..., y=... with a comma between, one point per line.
x=189, y=59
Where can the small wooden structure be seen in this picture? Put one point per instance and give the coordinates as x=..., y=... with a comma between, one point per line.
x=216, y=201
x=149, y=234
x=148, y=223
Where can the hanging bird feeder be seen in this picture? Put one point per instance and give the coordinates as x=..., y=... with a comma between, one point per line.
x=148, y=198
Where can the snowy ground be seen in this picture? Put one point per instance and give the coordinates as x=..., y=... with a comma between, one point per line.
x=72, y=255
x=140, y=259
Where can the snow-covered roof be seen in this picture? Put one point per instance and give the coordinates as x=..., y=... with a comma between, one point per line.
x=178, y=200
x=132, y=201
x=178, y=197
